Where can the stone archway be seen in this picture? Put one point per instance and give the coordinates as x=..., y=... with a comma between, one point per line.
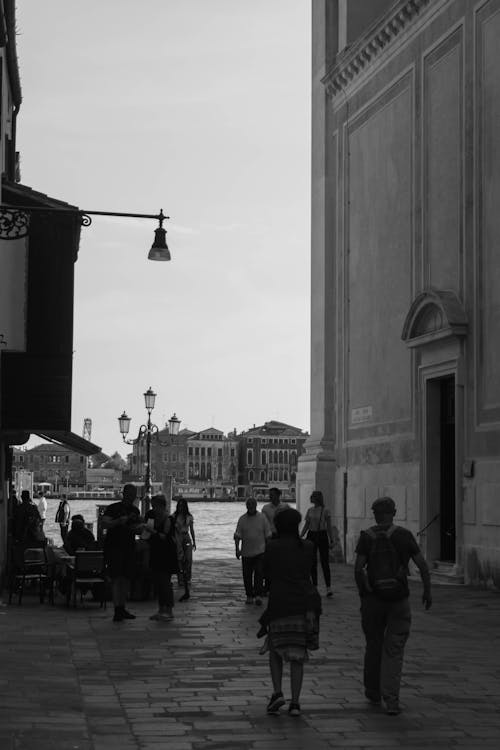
x=436, y=328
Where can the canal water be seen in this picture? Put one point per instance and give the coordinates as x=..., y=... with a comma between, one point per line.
x=214, y=524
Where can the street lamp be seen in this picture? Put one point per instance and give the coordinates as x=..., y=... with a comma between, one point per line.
x=148, y=431
x=14, y=224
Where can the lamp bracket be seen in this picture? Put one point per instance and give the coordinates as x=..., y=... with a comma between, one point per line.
x=15, y=220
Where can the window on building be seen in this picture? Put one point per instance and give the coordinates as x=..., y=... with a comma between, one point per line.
x=197, y=451
x=66, y=458
x=250, y=441
x=203, y=451
x=232, y=453
x=262, y=476
x=203, y=471
x=190, y=451
x=219, y=471
x=249, y=457
x=285, y=456
x=275, y=457
x=219, y=451
x=263, y=458
x=250, y=476
x=280, y=459
x=209, y=452
x=285, y=475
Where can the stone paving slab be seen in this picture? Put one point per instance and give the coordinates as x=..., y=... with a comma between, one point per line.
x=74, y=680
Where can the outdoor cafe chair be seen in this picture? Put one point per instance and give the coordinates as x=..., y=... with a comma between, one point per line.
x=33, y=567
x=87, y=571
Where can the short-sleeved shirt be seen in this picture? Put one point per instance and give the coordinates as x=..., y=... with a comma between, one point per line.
x=270, y=510
x=118, y=536
x=402, y=539
x=253, y=531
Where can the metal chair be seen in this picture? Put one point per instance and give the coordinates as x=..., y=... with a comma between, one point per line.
x=33, y=567
x=87, y=571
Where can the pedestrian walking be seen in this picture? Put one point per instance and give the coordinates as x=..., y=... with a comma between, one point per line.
x=162, y=555
x=252, y=532
x=42, y=507
x=273, y=506
x=381, y=568
x=186, y=544
x=318, y=528
x=293, y=609
x=63, y=514
x=122, y=521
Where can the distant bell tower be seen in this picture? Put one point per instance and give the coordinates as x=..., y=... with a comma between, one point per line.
x=87, y=434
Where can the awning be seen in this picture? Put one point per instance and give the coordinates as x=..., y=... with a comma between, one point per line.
x=70, y=440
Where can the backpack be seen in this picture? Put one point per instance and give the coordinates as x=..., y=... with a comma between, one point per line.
x=386, y=573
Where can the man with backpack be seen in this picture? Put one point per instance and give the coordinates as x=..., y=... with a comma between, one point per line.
x=381, y=568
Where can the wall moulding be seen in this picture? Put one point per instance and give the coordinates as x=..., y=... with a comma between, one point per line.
x=351, y=63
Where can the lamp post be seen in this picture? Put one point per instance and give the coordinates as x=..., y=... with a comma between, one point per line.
x=15, y=223
x=148, y=431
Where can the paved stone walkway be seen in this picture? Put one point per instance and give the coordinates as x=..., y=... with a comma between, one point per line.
x=73, y=680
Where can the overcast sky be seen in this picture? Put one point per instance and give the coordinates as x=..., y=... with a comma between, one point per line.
x=202, y=108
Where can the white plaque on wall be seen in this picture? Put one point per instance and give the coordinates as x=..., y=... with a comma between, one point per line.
x=361, y=414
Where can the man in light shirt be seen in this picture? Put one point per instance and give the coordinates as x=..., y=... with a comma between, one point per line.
x=42, y=506
x=252, y=532
x=270, y=509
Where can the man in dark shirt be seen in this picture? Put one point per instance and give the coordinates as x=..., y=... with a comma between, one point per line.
x=78, y=537
x=386, y=623
x=122, y=521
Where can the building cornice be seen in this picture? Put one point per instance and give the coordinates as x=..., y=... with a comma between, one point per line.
x=352, y=61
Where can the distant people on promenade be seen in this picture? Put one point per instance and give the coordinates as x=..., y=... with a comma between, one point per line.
x=381, y=567
x=293, y=610
x=63, y=514
x=318, y=528
x=275, y=505
x=250, y=536
x=79, y=537
x=27, y=526
x=122, y=520
x=186, y=543
x=42, y=507
x=160, y=528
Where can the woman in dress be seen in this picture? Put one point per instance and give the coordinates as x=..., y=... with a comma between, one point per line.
x=184, y=537
x=318, y=527
x=293, y=610
x=162, y=555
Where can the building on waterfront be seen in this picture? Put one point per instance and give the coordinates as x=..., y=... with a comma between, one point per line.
x=62, y=469
x=268, y=457
x=38, y=250
x=405, y=393
x=212, y=462
x=168, y=458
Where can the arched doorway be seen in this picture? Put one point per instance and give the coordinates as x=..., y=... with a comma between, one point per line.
x=435, y=329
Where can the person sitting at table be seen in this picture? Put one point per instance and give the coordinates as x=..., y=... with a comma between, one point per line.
x=79, y=537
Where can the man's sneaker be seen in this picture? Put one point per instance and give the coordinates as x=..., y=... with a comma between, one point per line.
x=126, y=615
x=373, y=696
x=294, y=709
x=118, y=616
x=392, y=708
x=258, y=601
x=249, y=600
x=275, y=703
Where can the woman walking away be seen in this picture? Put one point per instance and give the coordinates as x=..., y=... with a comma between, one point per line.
x=184, y=537
x=162, y=556
x=293, y=609
x=318, y=527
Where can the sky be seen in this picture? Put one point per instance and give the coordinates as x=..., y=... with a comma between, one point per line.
x=201, y=108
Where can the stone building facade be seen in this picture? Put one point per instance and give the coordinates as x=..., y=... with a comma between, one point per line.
x=268, y=457
x=406, y=273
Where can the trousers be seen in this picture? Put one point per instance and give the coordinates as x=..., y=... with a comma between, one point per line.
x=253, y=568
x=386, y=626
x=321, y=546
